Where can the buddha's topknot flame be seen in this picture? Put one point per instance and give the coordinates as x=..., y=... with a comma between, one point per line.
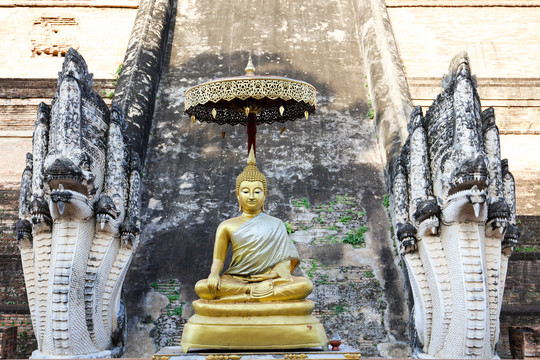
x=251, y=173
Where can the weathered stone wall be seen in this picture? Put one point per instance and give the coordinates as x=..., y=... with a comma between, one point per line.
x=101, y=33
x=191, y=168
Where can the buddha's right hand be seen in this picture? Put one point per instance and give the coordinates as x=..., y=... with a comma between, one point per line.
x=214, y=283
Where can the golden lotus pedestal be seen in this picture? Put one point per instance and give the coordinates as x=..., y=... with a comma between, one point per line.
x=253, y=326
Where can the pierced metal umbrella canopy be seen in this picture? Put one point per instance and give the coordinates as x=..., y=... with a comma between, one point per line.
x=250, y=100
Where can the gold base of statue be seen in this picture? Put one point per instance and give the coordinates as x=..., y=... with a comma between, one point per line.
x=253, y=326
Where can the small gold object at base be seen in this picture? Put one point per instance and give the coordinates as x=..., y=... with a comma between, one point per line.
x=352, y=356
x=295, y=356
x=161, y=357
x=223, y=357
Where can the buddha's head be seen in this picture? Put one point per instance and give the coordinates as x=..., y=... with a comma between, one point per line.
x=251, y=187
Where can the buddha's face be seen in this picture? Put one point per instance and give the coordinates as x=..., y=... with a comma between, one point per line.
x=251, y=196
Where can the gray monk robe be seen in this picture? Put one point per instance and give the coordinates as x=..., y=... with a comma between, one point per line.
x=259, y=244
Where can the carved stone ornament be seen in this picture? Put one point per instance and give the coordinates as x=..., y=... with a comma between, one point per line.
x=78, y=220
x=454, y=210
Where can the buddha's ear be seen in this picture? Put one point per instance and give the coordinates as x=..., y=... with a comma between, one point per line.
x=239, y=205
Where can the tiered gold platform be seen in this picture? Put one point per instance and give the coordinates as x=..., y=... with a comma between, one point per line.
x=253, y=326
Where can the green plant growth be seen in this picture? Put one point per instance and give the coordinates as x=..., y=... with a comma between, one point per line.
x=288, y=226
x=312, y=268
x=171, y=289
x=345, y=220
x=301, y=203
x=116, y=74
x=369, y=274
x=526, y=249
x=356, y=237
x=386, y=201
x=339, y=309
x=323, y=279
x=370, y=113
x=177, y=311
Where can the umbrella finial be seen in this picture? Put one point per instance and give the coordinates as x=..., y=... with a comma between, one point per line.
x=251, y=158
x=250, y=69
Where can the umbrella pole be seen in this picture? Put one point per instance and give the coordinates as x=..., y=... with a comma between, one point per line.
x=251, y=128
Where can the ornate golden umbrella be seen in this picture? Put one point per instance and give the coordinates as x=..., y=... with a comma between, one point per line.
x=250, y=100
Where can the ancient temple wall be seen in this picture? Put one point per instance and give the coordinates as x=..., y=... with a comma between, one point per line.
x=325, y=174
x=33, y=38
x=314, y=42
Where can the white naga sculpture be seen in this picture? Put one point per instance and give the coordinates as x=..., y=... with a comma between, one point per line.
x=454, y=209
x=78, y=226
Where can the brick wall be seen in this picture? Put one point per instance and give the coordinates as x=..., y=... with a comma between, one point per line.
x=14, y=311
x=501, y=41
x=521, y=306
x=12, y=290
x=8, y=342
x=18, y=317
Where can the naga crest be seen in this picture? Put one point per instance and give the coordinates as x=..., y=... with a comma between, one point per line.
x=454, y=210
x=78, y=219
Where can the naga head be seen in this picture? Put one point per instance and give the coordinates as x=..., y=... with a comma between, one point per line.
x=74, y=167
x=75, y=67
x=459, y=164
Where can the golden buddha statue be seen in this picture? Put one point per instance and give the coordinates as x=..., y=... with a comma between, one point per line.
x=263, y=254
x=256, y=303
